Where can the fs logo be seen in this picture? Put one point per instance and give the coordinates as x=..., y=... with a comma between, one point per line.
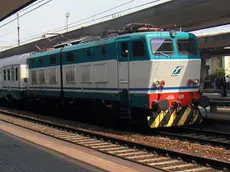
x=177, y=71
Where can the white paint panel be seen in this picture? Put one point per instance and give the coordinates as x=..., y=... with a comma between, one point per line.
x=86, y=73
x=33, y=77
x=42, y=76
x=47, y=84
x=69, y=75
x=51, y=74
x=144, y=73
x=100, y=73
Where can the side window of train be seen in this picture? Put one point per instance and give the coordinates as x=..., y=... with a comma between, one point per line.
x=8, y=74
x=70, y=57
x=12, y=73
x=4, y=74
x=40, y=60
x=89, y=52
x=16, y=74
x=53, y=60
x=32, y=62
x=138, y=48
x=103, y=51
x=29, y=62
x=124, y=47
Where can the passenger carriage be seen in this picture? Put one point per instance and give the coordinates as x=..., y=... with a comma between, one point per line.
x=13, y=78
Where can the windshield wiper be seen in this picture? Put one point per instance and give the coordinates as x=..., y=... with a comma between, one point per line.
x=161, y=53
x=186, y=53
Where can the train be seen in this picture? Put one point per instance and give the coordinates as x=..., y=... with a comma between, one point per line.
x=140, y=74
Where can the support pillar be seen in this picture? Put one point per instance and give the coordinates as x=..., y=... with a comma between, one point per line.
x=203, y=73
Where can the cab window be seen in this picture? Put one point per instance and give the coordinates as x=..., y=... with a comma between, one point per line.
x=162, y=47
x=187, y=46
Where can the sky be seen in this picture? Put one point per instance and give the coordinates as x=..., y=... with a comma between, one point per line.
x=52, y=15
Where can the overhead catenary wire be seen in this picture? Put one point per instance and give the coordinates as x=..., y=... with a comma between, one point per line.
x=90, y=19
x=25, y=13
x=62, y=28
x=30, y=6
x=99, y=13
x=13, y=30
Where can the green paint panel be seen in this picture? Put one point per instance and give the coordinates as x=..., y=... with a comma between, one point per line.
x=16, y=93
x=137, y=100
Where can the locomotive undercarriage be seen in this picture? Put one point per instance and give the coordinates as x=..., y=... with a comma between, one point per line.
x=107, y=112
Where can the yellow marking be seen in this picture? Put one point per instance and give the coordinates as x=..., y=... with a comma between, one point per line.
x=172, y=118
x=158, y=119
x=173, y=115
x=194, y=119
x=184, y=116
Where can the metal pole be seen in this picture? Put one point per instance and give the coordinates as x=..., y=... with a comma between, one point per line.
x=18, y=29
x=129, y=109
x=67, y=16
x=66, y=24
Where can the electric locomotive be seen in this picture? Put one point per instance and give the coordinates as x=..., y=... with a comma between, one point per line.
x=142, y=74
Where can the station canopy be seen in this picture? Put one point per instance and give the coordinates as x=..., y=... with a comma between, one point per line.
x=9, y=7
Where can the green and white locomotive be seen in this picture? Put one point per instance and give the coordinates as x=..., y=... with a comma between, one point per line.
x=150, y=75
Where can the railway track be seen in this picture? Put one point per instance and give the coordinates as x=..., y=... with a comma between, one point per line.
x=199, y=135
x=162, y=159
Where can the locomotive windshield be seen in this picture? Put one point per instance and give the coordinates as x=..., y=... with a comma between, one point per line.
x=162, y=46
x=187, y=47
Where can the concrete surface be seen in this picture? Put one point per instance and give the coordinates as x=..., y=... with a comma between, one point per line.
x=89, y=156
x=17, y=155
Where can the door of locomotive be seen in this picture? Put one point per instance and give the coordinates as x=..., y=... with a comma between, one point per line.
x=123, y=67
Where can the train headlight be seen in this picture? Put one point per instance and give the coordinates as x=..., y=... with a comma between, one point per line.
x=196, y=82
x=156, y=84
x=173, y=33
x=162, y=83
x=159, y=83
x=190, y=82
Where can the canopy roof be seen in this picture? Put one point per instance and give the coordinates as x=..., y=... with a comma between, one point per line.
x=9, y=7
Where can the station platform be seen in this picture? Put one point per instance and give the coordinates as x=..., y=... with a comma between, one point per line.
x=17, y=155
x=223, y=113
x=216, y=95
x=23, y=150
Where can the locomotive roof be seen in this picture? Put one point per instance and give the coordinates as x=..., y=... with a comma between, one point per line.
x=139, y=35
